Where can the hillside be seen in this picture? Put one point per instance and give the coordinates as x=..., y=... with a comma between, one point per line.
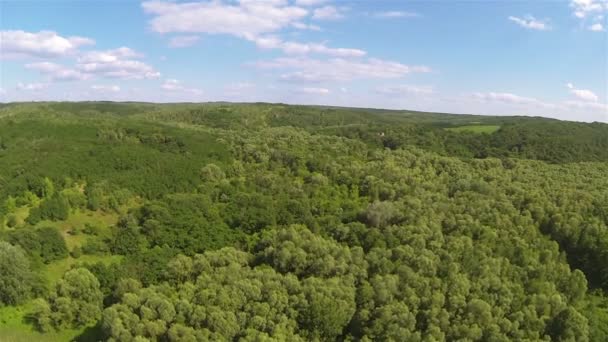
x=262, y=222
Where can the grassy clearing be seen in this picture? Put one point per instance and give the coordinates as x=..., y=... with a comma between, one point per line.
x=14, y=328
x=488, y=129
x=55, y=270
x=76, y=223
x=13, y=323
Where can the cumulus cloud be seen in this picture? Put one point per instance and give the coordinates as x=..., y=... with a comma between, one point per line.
x=117, y=63
x=582, y=94
x=252, y=20
x=106, y=88
x=304, y=69
x=245, y=19
x=108, y=56
x=590, y=11
x=183, y=41
x=584, y=8
x=327, y=13
x=396, y=14
x=310, y=2
x=597, y=27
x=295, y=48
x=21, y=44
x=531, y=23
x=314, y=91
x=405, y=90
x=174, y=85
x=302, y=26
x=57, y=72
x=120, y=63
x=32, y=86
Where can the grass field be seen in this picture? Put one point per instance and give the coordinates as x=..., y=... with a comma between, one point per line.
x=14, y=328
x=488, y=129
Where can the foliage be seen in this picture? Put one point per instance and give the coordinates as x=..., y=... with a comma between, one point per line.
x=16, y=278
x=475, y=128
x=55, y=208
x=44, y=244
x=275, y=222
x=77, y=301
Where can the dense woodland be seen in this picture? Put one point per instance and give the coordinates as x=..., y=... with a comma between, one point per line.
x=269, y=222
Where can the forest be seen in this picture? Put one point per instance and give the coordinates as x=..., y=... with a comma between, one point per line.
x=273, y=222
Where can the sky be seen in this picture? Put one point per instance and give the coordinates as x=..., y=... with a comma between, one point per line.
x=539, y=58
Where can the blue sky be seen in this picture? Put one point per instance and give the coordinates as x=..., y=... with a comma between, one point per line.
x=546, y=58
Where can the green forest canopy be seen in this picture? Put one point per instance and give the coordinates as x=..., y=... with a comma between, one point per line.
x=256, y=222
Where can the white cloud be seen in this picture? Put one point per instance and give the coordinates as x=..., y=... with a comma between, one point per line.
x=57, y=72
x=183, y=41
x=253, y=20
x=32, y=86
x=293, y=48
x=302, y=26
x=590, y=11
x=116, y=63
x=174, y=85
x=314, y=91
x=327, y=13
x=589, y=106
x=531, y=23
x=583, y=94
x=106, y=88
x=268, y=42
x=310, y=2
x=405, y=90
x=171, y=84
x=396, y=14
x=583, y=8
x=597, y=27
x=509, y=99
x=338, y=69
x=108, y=56
x=245, y=19
x=2, y=91
x=16, y=44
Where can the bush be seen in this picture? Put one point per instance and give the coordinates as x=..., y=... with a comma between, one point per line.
x=95, y=246
x=55, y=208
x=76, y=252
x=11, y=221
x=52, y=244
x=16, y=277
x=91, y=229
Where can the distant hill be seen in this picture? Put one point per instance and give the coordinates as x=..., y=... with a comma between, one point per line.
x=458, y=135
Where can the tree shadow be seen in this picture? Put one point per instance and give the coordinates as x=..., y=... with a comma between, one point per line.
x=90, y=334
